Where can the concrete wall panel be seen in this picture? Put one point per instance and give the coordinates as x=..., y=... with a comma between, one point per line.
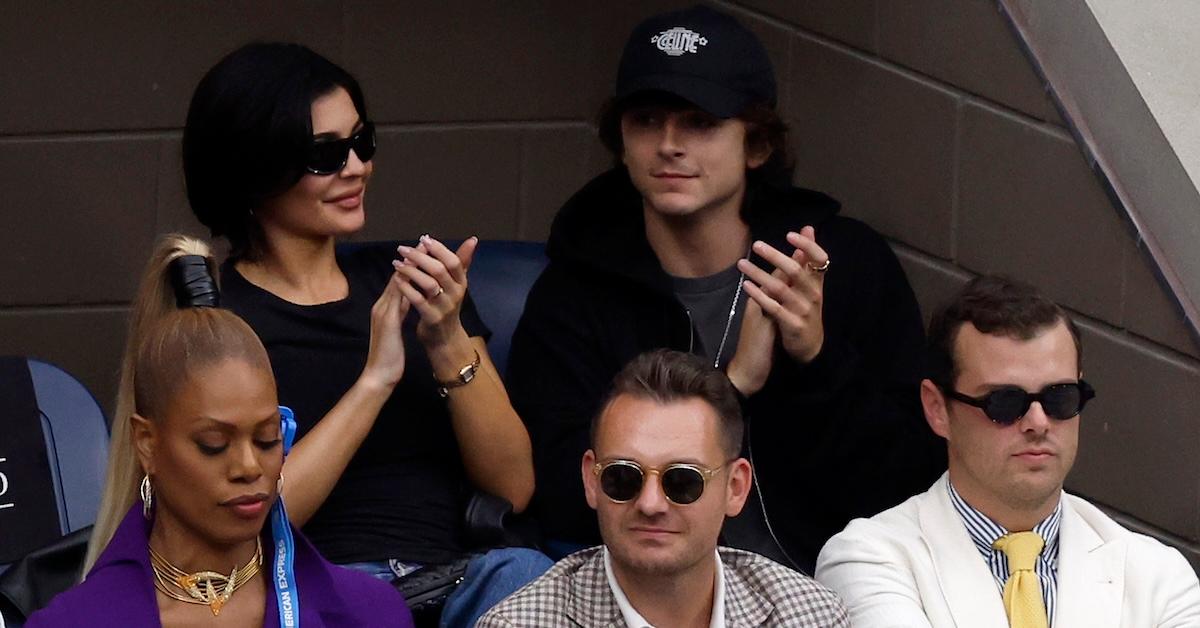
x=87, y=343
x=78, y=217
x=132, y=65
x=966, y=43
x=878, y=140
x=451, y=183
x=1030, y=207
x=1139, y=438
x=848, y=21
x=554, y=164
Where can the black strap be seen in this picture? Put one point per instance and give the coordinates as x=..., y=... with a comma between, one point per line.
x=194, y=285
x=28, y=508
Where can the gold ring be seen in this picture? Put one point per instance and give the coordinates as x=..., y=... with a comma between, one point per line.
x=438, y=293
x=819, y=269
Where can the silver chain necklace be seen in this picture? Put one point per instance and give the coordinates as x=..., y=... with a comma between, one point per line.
x=737, y=295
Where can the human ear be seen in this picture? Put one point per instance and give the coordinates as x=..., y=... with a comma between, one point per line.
x=589, y=478
x=934, y=404
x=741, y=477
x=145, y=441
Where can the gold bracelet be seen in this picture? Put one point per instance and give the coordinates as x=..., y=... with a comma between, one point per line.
x=465, y=375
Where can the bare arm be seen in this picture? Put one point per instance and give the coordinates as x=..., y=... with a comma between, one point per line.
x=495, y=447
x=318, y=460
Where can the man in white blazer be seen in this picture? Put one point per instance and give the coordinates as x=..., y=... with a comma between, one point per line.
x=996, y=541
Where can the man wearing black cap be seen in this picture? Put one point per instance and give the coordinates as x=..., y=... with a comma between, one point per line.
x=695, y=242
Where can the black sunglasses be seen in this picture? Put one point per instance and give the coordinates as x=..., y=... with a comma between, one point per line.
x=1006, y=405
x=330, y=156
x=682, y=483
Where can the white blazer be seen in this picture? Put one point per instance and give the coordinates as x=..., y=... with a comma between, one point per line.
x=915, y=566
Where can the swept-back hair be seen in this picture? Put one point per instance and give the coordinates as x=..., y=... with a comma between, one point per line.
x=166, y=343
x=994, y=305
x=666, y=376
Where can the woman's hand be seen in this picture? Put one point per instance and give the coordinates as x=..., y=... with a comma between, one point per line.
x=385, y=355
x=436, y=286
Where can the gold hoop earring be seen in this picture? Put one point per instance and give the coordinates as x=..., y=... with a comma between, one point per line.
x=147, y=496
x=279, y=485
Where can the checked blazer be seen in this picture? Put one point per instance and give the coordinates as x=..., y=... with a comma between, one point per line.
x=758, y=593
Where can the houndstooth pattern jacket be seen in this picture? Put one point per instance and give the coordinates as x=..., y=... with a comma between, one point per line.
x=758, y=593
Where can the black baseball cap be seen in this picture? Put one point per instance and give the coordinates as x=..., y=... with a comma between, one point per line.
x=701, y=55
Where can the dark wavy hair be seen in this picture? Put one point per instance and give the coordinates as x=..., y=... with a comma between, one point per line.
x=248, y=129
x=994, y=305
x=765, y=129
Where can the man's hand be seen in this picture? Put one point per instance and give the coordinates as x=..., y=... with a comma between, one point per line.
x=792, y=295
x=750, y=366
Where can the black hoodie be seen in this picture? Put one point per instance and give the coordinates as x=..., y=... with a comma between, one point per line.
x=838, y=438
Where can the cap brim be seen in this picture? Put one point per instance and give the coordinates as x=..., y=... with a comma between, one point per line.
x=715, y=99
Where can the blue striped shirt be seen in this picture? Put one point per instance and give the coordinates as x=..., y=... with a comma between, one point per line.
x=984, y=532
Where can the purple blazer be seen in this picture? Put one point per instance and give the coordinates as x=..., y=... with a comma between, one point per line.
x=119, y=590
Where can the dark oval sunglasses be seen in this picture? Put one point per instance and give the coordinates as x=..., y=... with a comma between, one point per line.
x=682, y=483
x=330, y=156
x=1006, y=405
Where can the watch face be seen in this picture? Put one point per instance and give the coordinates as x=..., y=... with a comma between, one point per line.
x=468, y=376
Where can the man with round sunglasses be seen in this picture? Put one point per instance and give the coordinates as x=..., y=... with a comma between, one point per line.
x=663, y=472
x=996, y=541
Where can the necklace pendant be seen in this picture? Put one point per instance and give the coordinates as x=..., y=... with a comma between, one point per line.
x=216, y=605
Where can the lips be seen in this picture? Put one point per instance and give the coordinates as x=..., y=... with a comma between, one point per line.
x=672, y=175
x=247, y=506
x=348, y=200
x=1035, y=454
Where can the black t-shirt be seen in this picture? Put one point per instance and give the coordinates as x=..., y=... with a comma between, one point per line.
x=403, y=493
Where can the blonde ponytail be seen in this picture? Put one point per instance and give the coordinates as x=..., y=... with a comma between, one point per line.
x=155, y=304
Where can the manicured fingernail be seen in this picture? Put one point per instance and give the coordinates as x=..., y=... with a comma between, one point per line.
x=404, y=250
x=425, y=237
x=474, y=238
x=397, y=264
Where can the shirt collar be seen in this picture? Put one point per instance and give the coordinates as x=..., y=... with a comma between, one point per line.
x=634, y=619
x=984, y=531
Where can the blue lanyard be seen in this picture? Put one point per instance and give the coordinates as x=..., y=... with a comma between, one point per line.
x=286, y=594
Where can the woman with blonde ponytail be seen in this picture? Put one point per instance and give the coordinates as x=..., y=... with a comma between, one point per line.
x=192, y=530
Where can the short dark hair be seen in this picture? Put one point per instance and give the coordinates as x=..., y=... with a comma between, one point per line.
x=666, y=376
x=248, y=129
x=994, y=305
x=765, y=129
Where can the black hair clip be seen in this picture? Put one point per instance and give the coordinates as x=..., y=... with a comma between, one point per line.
x=194, y=285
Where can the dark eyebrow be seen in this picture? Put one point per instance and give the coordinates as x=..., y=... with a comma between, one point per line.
x=230, y=427
x=333, y=136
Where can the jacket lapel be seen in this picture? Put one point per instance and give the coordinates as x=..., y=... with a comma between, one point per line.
x=744, y=607
x=1091, y=578
x=967, y=586
x=590, y=602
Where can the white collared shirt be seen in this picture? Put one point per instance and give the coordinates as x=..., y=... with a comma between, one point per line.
x=634, y=619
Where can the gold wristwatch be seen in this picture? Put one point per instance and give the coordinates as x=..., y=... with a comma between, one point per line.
x=465, y=375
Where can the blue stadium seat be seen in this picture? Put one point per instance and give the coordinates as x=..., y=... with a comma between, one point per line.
x=501, y=275
x=76, y=434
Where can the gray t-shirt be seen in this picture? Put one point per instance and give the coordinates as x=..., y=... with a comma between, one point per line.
x=708, y=301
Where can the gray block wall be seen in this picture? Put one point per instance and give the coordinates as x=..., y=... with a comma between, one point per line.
x=924, y=118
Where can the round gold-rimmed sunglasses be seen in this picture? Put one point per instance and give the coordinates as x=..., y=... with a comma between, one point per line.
x=682, y=483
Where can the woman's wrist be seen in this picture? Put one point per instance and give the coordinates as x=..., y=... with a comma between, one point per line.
x=449, y=357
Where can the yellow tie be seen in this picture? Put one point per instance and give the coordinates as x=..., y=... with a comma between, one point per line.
x=1023, y=591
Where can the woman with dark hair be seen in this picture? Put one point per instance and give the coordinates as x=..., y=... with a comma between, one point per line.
x=401, y=413
x=199, y=423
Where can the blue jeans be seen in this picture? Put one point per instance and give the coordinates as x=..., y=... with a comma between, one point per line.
x=490, y=577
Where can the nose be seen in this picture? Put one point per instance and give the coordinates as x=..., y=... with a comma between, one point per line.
x=1035, y=420
x=670, y=139
x=354, y=167
x=246, y=466
x=651, y=501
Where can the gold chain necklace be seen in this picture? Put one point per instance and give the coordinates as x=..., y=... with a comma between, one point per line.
x=203, y=587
